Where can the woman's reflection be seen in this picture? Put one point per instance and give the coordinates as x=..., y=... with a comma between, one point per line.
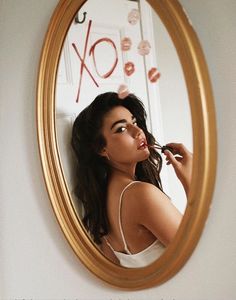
x=126, y=210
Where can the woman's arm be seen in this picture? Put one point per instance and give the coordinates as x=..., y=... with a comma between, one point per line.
x=154, y=210
x=181, y=160
x=157, y=213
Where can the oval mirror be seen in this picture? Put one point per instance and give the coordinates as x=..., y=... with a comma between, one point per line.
x=149, y=48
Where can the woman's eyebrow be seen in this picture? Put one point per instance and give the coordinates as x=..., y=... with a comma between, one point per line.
x=122, y=121
x=119, y=121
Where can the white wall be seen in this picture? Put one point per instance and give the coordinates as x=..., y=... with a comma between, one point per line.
x=35, y=260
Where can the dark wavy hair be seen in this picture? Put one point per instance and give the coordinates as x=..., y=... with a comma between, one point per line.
x=93, y=170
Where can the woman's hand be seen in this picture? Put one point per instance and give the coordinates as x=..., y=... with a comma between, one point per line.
x=182, y=160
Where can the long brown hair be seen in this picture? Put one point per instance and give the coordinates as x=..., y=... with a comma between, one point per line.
x=93, y=170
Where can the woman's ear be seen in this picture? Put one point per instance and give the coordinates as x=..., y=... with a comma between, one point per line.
x=104, y=153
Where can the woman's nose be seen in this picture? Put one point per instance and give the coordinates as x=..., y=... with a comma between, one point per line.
x=136, y=131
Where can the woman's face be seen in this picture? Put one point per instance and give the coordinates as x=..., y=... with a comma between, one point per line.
x=125, y=141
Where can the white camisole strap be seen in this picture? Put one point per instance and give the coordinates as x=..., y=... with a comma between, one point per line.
x=120, y=226
x=109, y=244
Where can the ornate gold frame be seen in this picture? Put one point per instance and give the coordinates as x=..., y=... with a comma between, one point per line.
x=204, y=145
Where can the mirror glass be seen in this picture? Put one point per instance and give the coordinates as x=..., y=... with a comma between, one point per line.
x=125, y=44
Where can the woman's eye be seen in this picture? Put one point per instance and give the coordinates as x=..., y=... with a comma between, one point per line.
x=121, y=129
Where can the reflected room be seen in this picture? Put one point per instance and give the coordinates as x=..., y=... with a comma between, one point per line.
x=125, y=47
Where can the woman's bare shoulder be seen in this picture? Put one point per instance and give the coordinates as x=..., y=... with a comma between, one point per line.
x=142, y=196
x=151, y=208
x=140, y=190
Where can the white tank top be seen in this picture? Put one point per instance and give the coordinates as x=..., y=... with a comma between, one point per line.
x=142, y=258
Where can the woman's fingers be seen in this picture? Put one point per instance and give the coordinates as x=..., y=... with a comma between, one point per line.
x=171, y=159
x=178, y=148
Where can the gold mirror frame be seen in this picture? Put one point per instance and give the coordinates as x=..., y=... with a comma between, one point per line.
x=204, y=146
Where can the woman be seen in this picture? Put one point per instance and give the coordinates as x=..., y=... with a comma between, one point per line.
x=125, y=209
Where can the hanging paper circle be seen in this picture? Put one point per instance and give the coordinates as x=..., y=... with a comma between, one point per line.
x=133, y=16
x=129, y=68
x=144, y=47
x=123, y=91
x=126, y=44
x=153, y=75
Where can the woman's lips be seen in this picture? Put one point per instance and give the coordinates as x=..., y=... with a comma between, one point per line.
x=142, y=145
